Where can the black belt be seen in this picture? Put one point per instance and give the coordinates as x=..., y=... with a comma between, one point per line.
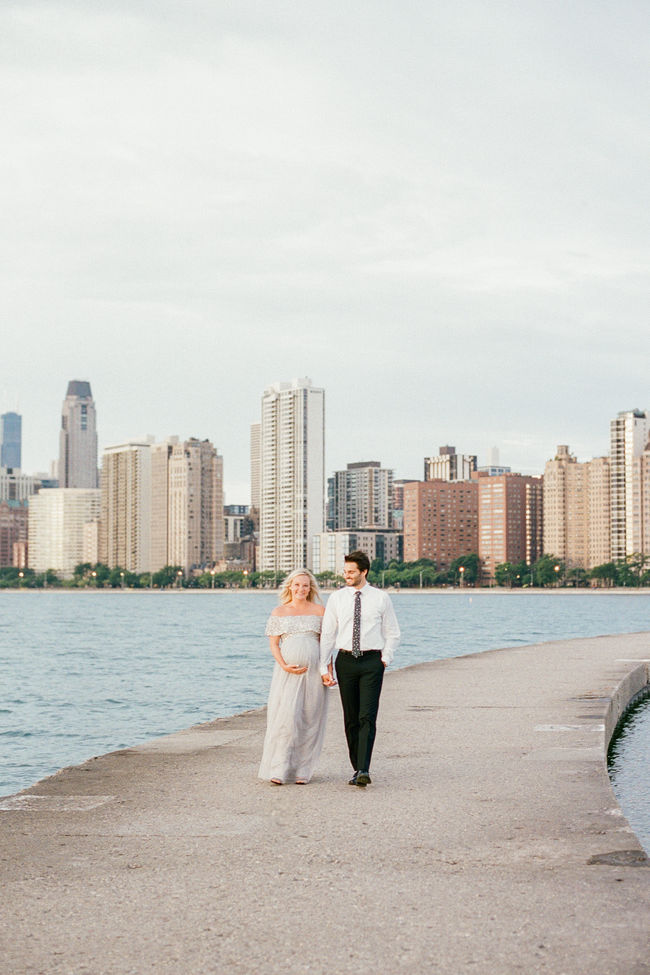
x=361, y=652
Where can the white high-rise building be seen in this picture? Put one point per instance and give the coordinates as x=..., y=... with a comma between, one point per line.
x=78, y=438
x=629, y=438
x=447, y=465
x=125, y=535
x=256, y=432
x=57, y=532
x=292, y=502
x=330, y=548
x=15, y=486
x=362, y=496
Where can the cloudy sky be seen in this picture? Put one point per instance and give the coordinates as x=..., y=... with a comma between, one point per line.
x=435, y=210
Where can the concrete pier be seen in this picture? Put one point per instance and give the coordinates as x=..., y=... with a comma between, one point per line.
x=489, y=842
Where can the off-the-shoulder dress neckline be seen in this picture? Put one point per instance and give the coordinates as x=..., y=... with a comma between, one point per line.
x=296, y=616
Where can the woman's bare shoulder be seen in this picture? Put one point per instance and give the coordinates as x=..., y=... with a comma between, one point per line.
x=315, y=609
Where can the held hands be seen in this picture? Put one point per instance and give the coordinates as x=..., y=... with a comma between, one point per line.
x=328, y=678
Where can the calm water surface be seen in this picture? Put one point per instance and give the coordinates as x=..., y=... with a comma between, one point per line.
x=83, y=673
x=629, y=769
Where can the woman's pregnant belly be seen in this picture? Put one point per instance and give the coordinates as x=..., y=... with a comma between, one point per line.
x=302, y=649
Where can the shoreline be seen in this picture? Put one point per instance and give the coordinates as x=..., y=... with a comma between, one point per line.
x=630, y=691
x=475, y=621
x=433, y=590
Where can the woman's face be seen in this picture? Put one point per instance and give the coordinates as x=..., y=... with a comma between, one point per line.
x=300, y=587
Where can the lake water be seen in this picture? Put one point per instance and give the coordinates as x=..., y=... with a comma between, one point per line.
x=86, y=672
x=629, y=769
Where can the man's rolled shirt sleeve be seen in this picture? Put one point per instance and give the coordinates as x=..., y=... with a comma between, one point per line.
x=391, y=632
x=328, y=634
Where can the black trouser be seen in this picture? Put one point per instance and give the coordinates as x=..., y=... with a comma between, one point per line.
x=360, y=680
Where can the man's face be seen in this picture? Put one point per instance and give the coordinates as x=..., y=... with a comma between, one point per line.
x=353, y=575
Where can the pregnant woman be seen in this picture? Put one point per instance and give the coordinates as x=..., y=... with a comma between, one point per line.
x=297, y=707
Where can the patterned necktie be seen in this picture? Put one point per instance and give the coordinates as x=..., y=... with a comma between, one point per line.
x=356, y=627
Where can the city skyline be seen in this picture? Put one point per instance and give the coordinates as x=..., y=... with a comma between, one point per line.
x=243, y=484
x=441, y=226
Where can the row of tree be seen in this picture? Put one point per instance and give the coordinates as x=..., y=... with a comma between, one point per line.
x=99, y=576
x=548, y=571
x=633, y=571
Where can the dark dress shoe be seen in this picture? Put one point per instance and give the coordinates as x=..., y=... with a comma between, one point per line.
x=362, y=779
x=353, y=780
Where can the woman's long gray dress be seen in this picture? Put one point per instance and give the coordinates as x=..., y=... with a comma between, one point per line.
x=297, y=706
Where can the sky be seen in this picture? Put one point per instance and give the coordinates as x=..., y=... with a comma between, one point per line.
x=436, y=211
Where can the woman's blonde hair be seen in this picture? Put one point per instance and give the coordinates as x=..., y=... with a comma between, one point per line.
x=285, y=592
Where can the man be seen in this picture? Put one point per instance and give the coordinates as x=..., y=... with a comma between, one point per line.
x=360, y=621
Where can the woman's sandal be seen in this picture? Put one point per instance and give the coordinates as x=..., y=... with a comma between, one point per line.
x=301, y=781
x=277, y=782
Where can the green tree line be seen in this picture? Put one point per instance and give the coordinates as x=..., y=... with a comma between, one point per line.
x=548, y=571
x=632, y=571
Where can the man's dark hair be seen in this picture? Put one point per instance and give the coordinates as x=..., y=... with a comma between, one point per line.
x=360, y=559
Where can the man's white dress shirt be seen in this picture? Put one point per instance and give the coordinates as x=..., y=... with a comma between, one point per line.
x=379, y=627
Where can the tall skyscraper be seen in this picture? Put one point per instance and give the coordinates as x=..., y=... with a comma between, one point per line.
x=628, y=439
x=78, y=439
x=160, y=454
x=10, y=440
x=576, y=509
x=292, y=474
x=362, y=496
x=642, y=499
x=447, y=465
x=195, y=525
x=600, y=536
x=125, y=524
x=256, y=464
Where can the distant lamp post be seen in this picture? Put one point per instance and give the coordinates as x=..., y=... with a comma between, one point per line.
x=420, y=578
x=245, y=578
x=557, y=574
x=212, y=573
x=94, y=577
x=122, y=580
x=179, y=576
x=21, y=576
x=461, y=570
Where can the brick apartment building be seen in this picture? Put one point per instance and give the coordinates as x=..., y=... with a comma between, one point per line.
x=440, y=520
